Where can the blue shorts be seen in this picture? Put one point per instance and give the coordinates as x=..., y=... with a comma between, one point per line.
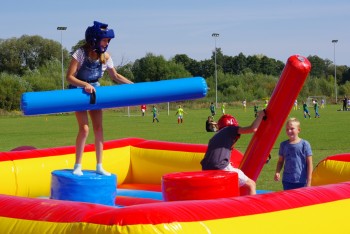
x=289, y=186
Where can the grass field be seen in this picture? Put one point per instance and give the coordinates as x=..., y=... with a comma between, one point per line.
x=328, y=135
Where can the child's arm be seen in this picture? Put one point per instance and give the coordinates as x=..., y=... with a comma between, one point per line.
x=279, y=166
x=309, y=170
x=254, y=126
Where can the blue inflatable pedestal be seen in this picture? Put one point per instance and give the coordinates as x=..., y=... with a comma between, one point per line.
x=90, y=187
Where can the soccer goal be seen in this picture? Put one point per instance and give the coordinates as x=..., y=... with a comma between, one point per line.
x=320, y=99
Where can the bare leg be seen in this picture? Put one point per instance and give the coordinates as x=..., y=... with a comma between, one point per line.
x=251, y=186
x=96, y=117
x=83, y=132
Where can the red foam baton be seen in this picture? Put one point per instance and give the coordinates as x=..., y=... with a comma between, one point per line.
x=285, y=93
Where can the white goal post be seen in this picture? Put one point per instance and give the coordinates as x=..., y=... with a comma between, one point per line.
x=318, y=98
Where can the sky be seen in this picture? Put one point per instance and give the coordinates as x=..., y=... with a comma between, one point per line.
x=275, y=28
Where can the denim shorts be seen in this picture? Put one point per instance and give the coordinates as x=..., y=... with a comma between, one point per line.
x=95, y=84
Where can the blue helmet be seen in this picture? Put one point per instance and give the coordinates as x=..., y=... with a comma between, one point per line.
x=94, y=34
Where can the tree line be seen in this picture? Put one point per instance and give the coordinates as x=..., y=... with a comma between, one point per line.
x=33, y=63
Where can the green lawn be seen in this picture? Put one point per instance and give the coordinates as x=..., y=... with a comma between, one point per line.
x=328, y=135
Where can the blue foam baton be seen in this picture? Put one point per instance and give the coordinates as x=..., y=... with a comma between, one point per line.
x=70, y=100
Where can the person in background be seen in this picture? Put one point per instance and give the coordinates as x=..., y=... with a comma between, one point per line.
x=266, y=103
x=212, y=109
x=256, y=108
x=295, y=104
x=143, y=110
x=306, y=110
x=86, y=67
x=211, y=125
x=223, y=108
x=218, y=154
x=345, y=103
x=244, y=103
x=180, y=114
x=295, y=156
x=322, y=103
x=316, y=108
x=155, y=114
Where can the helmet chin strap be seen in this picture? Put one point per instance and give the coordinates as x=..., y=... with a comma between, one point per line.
x=99, y=51
x=97, y=48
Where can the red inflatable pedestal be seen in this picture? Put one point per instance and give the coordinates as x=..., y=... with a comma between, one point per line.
x=199, y=185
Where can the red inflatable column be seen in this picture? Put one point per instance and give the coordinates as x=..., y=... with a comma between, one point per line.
x=199, y=185
x=285, y=93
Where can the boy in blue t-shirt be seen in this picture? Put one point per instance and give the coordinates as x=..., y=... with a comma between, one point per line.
x=295, y=155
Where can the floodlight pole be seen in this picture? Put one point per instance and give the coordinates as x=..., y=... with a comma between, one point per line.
x=216, y=35
x=335, y=73
x=62, y=29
